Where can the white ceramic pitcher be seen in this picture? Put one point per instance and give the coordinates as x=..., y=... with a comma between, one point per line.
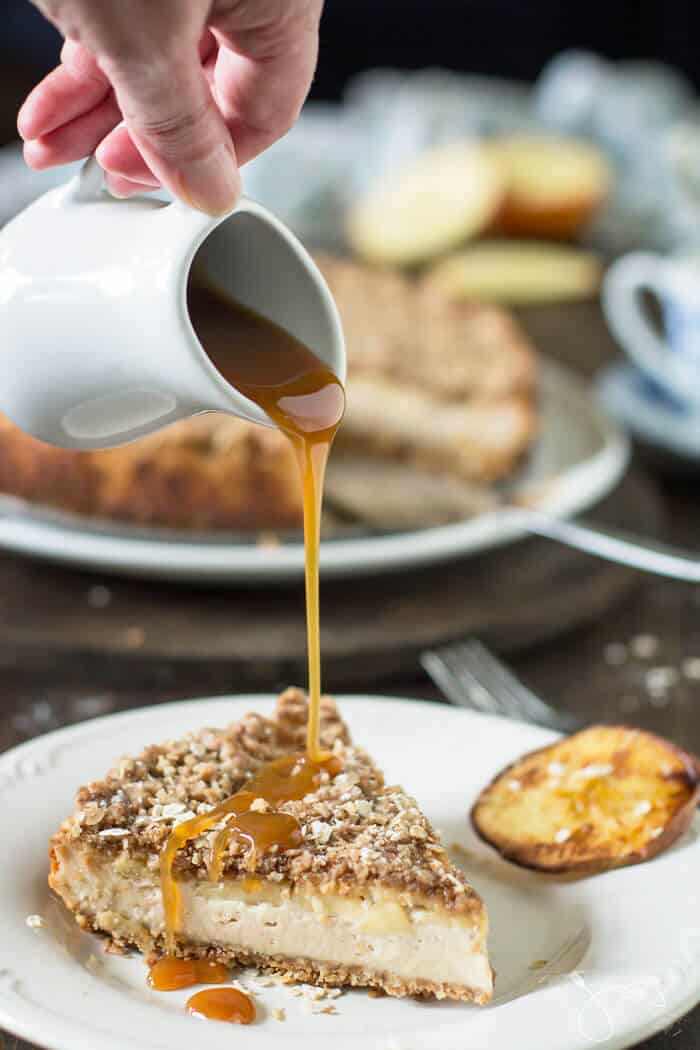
x=96, y=344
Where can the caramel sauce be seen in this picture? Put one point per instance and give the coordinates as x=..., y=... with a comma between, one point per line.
x=222, y=1004
x=284, y=780
x=170, y=975
x=306, y=400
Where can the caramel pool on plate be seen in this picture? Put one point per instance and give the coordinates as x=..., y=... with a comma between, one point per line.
x=222, y=1004
x=170, y=975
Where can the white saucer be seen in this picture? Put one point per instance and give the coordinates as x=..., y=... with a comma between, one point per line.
x=623, y=949
x=642, y=407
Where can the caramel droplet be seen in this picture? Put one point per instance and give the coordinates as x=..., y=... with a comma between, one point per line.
x=222, y=1004
x=169, y=974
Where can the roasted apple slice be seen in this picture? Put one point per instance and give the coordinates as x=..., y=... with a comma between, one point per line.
x=554, y=185
x=602, y=798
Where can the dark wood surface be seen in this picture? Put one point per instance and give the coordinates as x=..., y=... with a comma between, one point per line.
x=373, y=629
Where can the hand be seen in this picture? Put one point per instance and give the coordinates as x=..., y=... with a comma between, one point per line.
x=178, y=93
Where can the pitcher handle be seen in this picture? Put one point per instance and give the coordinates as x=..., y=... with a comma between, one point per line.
x=89, y=183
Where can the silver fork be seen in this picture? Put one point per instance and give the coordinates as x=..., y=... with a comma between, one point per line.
x=471, y=676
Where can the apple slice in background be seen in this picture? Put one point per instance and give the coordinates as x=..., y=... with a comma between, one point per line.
x=517, y=273
x=445, y=197
x=554, y=185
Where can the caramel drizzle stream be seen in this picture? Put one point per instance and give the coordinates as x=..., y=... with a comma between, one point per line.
x=306, y=400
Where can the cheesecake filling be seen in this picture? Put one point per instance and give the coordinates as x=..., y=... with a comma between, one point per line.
x=382, y=931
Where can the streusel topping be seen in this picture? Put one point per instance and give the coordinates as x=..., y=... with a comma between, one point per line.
x=403, y=330
x=356, y=829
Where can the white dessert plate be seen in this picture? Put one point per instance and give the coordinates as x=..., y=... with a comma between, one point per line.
x=622, y=952
x=578, y=459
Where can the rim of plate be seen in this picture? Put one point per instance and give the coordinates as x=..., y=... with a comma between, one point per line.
x=40, y=758
x=571, y=492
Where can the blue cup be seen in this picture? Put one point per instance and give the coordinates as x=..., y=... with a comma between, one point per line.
x=670, y=357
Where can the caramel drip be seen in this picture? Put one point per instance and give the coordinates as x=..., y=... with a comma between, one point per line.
x=222, y=1004
x=306, y=400
x=170, y=975
x=259, y=831
x=285, y=779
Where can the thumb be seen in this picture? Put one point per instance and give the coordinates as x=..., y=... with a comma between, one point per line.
x=170, y=114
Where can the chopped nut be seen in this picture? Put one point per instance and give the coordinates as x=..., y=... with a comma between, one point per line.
x=313, y=992
x=35, y=922
x=173, y=809
x=645, y=646
x=182, y=817
x=99, y=597
x=691, y=668
x=113, y=833
x=321, y=831
x=92, y=815
x=615, y=654
x=279, y=1014
x=259, y=805
x=659, y=679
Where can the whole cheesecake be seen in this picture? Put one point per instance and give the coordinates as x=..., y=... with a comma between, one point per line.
x=448, y=390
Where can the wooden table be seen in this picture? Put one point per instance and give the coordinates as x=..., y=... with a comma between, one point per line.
x=587, y=672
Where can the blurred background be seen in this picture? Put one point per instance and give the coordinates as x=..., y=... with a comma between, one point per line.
x=605, y=96
x=463, y=35
x=593, y=108
x=573, y=136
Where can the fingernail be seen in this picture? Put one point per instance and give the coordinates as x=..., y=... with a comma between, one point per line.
x=34, y=155
x=25, y=119
x=122, y=188
x=212, y=184
x=22, y=119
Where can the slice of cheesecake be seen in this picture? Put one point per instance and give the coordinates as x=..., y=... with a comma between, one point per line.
x=367, y=898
